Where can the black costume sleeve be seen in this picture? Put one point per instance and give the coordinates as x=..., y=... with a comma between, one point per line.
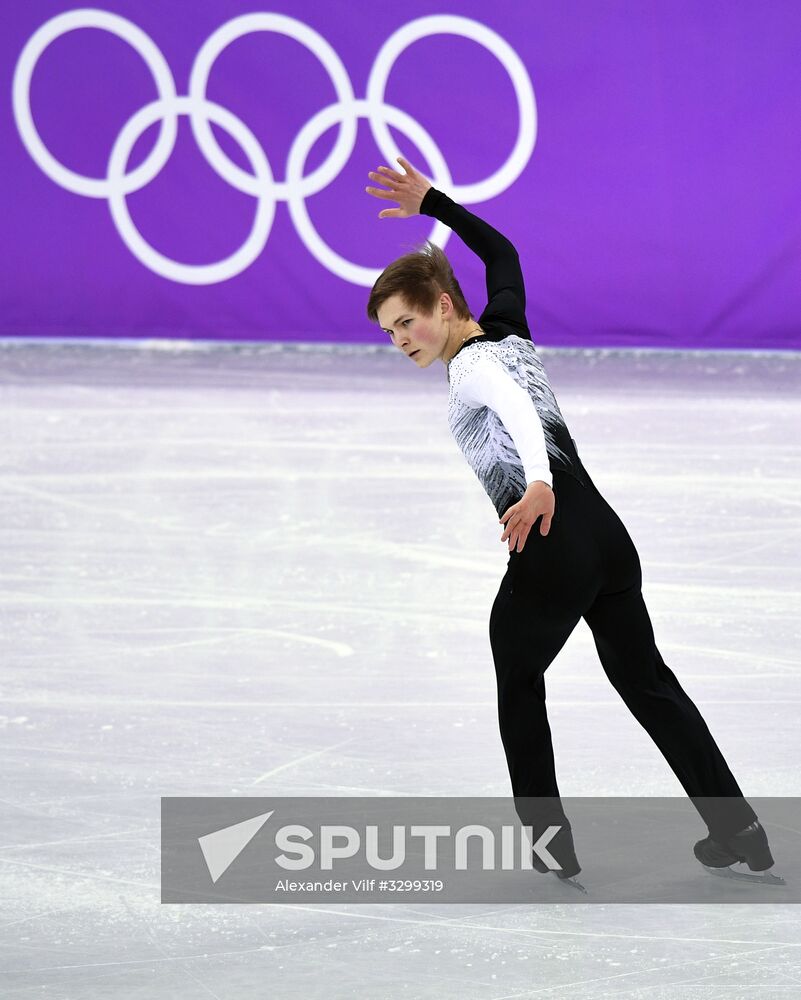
x=506, y=292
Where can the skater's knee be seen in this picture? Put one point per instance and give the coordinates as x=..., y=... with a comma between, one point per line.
x=518, y=685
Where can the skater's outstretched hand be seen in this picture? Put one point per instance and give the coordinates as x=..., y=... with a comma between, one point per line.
x=538, y=499
x=407, y=189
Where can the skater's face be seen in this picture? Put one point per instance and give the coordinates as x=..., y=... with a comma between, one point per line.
x=421, y=336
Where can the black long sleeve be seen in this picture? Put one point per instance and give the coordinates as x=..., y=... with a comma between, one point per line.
x=506, y=292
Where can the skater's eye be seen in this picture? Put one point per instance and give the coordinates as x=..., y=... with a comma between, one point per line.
x=391, y=333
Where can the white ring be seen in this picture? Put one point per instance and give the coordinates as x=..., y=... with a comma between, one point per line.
x=190, y=274
x=508, y=58
x=304, y=141
x=198, y=81
x=126, y=30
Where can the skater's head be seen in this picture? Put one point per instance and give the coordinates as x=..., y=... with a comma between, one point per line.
x=418, y=303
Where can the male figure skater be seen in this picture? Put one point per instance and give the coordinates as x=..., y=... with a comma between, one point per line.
x=570, y=556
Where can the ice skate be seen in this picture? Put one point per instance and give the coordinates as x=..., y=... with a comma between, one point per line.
x=744, y=857
x=570, y=880
x=565, y=879
x=563, y=846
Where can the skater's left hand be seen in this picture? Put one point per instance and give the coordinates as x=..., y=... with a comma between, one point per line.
x=537, y=500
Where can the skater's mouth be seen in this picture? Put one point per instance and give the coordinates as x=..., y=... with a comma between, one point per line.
x=414, y=352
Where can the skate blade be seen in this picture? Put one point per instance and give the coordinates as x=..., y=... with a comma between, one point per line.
x=574, y=882
x=742, y=873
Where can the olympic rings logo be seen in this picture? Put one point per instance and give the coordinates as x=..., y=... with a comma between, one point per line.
x=261, y=184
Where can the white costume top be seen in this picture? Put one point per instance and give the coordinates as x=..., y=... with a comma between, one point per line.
x=501, y=408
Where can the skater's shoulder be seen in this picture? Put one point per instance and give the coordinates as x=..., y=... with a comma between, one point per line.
x=495, y=344
x=496, y=341
x=480, y=363
x=473, y=354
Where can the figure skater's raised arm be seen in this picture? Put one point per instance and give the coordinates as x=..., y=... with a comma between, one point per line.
x=415, y=195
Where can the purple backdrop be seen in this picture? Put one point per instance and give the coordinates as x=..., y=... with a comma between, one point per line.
x=644, y=158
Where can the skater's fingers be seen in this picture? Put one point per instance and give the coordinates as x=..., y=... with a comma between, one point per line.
x=391, y=173
x=510, y=527
x=512, y=512
x=388, y=182
x=383, y=180
x=381, y=193
x=545, y=527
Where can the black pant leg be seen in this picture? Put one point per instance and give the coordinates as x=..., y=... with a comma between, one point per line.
x=525, y=637
x=624, y=638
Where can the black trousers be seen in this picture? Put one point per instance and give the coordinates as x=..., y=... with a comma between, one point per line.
x=587, y=567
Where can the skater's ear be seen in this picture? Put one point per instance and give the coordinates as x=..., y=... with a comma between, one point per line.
x=446, y=306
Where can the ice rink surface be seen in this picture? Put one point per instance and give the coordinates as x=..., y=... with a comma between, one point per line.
x=267, y=570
